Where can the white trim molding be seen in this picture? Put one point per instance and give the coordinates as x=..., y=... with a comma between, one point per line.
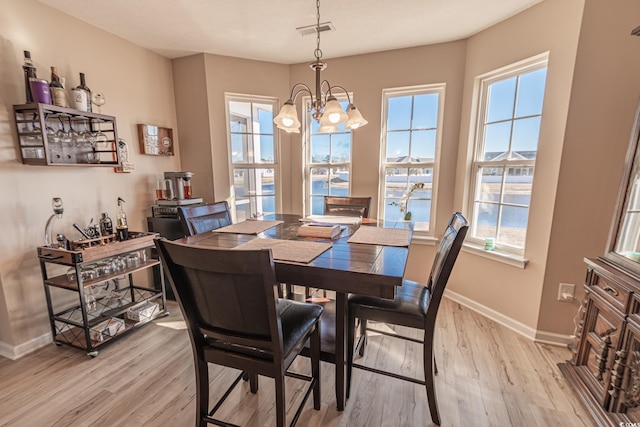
x=15, y=352
x=534, y=335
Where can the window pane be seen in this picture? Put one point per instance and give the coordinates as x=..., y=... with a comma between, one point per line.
x=395, y=182
x=496, y=140
x=531, y=93
x=420, y=210
x=525, y=138
x=425, y=111
x=263, y=151
x=266, y=205
x=500, y=100
x=340, y=148
x=264, y=182
x=243, y=209
x=242, y=182
x=319, y=181
x=264, y=115
x=423, y=146
x=399, y=113
x=398, y=146
x=490, y=185
x=339, y=182
x=517, y=187
x=317, y=205
x=513, y=226
x=320, y=148
x=239, y=148
x=486, y=220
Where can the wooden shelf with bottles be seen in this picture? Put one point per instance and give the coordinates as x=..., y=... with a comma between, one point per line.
x=46, y=136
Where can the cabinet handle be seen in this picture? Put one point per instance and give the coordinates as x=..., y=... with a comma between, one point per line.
x=610, y=290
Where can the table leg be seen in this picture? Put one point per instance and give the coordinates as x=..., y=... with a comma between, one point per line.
x=341, y=337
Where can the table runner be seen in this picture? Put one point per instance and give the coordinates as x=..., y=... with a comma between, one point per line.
x=248, y=227
x=288, y=250
x=381, y=236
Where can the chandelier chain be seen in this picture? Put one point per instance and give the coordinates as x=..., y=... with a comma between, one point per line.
x=318, y=52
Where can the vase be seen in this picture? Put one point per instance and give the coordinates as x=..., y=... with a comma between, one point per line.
x=407, y=216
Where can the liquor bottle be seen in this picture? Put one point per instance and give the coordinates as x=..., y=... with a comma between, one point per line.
x=57, y=89
x=106, y=225
x=29, y=73
x=82, y=96
x=122, y=229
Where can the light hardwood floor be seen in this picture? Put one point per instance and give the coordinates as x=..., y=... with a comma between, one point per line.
x=488, y=376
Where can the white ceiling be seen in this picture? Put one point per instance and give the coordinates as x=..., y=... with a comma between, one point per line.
x=266, y=29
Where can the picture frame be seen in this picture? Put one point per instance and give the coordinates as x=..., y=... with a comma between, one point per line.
x=156, y=140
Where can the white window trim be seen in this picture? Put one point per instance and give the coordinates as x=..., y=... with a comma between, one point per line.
x=228, y=96
x=506, y=254
x=306, y=150
x=440, y=89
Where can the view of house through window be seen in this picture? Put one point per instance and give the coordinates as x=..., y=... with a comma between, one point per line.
x=410, y=151
x=328, y=164
x=253, y=152
x=505, y=152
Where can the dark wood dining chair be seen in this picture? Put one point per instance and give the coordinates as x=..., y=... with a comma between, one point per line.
x=202, y=218
x=235, y=319
x=347, y=206
x=415, y=306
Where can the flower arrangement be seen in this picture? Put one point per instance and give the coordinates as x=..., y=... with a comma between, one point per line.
x=404, y=200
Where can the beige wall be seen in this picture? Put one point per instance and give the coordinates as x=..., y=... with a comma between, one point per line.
x=138, y=88
x=604, y=97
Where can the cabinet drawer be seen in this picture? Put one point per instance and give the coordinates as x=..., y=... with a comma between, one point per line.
x=613, y=292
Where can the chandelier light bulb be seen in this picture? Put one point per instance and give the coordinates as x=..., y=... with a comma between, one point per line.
x=286, y=121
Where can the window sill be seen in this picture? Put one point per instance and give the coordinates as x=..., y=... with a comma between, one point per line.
x=503, y=257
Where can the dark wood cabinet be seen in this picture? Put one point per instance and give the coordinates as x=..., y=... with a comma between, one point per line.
x=605, y=367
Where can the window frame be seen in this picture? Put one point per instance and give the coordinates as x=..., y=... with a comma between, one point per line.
x=440, y=90
x=308, y=165
x=477, y=144
x=275, y=165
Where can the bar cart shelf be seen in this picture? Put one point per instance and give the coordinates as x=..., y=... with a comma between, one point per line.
x=100, y=311
x=85, y=139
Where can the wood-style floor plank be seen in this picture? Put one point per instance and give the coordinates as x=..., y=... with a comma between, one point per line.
x=488, y=376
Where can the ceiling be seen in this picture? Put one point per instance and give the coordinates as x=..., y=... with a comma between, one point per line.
x=266, y=29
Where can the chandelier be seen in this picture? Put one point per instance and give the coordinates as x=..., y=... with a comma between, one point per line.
x=325, y=107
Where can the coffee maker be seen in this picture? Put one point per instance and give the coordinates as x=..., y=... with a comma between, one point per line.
x=182, y=190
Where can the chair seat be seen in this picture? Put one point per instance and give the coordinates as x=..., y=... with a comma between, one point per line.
x=409, y=308
x=297, y=320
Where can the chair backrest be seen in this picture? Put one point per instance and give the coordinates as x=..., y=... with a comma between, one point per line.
x=347, y=206
x=202, y=218
x=444, y=260
x=226, y=295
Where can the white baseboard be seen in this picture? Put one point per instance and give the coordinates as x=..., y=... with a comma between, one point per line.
x=518, y=327
x=15, y=352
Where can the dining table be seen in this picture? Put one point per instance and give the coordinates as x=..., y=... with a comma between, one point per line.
x=373, y=268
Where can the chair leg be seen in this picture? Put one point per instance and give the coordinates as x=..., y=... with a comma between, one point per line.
x=280, y=402
x=202, y=391
x=351, y=336
x=253, y=383
x=315, y=365
x=429, y=364
x=363, y=332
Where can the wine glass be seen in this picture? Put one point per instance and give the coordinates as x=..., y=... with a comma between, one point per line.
x=97, y=99
x=62, y=134
x=73, y=135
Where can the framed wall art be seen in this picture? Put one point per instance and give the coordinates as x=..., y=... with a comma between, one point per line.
x=156, y=140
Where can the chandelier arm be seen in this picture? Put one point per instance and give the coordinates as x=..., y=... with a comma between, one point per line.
x=341, y=88
x=303, y=88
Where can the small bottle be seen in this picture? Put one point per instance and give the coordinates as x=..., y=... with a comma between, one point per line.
x=106, y=225
x=82, y=96
x=122, y=229
x=29, y=73
x=57, y=89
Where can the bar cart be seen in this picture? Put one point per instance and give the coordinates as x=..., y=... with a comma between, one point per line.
x=103, y=307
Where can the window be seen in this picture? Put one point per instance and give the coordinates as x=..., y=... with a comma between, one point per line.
x=328, y=163
x=253, y=152
x=508, y=126
x=412, y=120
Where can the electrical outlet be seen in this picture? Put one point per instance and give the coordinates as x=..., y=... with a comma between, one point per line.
x=566, y=292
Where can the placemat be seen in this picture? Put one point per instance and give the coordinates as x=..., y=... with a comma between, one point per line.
x=288, y=250
x=248, y=227
x=381, y=236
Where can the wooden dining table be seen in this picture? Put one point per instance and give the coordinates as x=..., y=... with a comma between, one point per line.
x=367, y=269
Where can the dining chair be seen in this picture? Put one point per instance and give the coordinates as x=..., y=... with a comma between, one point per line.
x=202, y=218
x=235, y=319
x=347, y=206
x=415, y=306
